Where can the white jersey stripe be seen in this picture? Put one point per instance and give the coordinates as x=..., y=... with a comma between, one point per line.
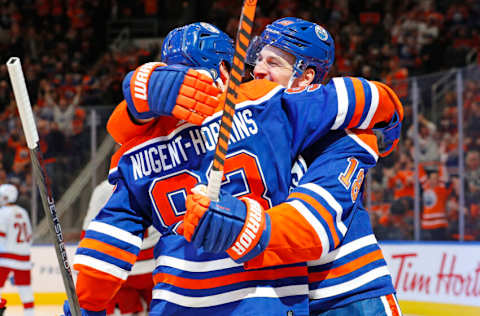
x=229, y=297
x=388, y=310
x=373, y=106
x=115, y=232
x=396, y=304
x=316, y=224
x=342, y=100
x=363, y=144
x=437, y=215
x=327, y=196
x=152, y=239
x=196, y=266
x=143, y=266
x=349, y=285
x=434, y=222
x=101, y=265
x=345, y=250
x=15, y=264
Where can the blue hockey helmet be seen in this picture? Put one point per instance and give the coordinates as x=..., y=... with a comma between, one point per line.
x=199, y=45
x=310, y=43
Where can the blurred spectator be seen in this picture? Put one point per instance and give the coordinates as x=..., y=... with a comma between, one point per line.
x=434, y=214
x=381, y=40
x=4, y=95
x=402, y=178
x=53, y=147
x=21, y=161
x=64, y=110
x=472, y=177
x=428, y=147
x=395, y=224
x=397, y=78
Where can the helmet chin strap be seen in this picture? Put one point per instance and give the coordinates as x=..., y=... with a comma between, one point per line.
x=290, y=81
x=294, y=76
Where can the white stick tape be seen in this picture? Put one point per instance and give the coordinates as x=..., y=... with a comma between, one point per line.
x=214, y=183
x=23, y=101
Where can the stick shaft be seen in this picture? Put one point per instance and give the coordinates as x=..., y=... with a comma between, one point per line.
x=29, y=127
x=242, y=41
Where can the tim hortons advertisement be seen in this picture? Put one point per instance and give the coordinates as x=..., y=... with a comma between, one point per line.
x=437, y=272
x=446, y=273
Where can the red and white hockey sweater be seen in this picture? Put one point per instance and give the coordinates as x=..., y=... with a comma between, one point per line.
x=15, y=238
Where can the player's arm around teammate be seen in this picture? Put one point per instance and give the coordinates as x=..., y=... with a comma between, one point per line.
x=312, y=224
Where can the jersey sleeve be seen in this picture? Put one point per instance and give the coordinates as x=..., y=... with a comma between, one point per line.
x=343, y=103
x=109, y=249
x=320, y=209
x=121, y=126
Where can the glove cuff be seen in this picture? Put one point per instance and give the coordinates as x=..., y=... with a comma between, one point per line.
x=251, y=240
x=135, y=88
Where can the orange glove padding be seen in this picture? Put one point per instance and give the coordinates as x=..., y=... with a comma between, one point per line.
x=197, y=204
x=197, y=98
x=156, y=89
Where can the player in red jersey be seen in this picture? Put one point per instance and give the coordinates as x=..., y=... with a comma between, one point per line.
x=15, y=243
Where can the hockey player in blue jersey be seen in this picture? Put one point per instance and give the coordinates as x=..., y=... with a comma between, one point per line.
x=238, y=157
x=337, y=167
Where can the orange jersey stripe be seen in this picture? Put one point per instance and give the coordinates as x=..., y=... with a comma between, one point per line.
x=326, y=215
x=108, y=250
x=105, y=286
x=393, y=97
x=285, y=247
x=199, y=284
x=346, y=268
x=163, y=126
x=359, y=102
x=393, y=305
x=121, y=127
x=388, y=104
x=367, y=137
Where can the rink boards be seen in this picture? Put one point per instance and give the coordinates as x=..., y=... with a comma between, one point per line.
x=438, y=278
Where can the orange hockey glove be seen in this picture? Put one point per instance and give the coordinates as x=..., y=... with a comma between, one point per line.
x=155, y=89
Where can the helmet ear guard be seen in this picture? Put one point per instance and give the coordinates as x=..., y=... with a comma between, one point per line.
x=198, y=45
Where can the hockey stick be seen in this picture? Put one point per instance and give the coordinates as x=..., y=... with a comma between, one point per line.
x=30, y=129
x=245, y=26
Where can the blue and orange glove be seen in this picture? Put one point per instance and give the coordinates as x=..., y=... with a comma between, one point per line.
x=239, y=227
x=67, y=312
x=155, y=89
x=389, y=135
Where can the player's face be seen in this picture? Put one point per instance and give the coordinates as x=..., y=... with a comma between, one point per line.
x=275, y=65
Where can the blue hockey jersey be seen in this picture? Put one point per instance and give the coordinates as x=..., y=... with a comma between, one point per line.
x=153, y=174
